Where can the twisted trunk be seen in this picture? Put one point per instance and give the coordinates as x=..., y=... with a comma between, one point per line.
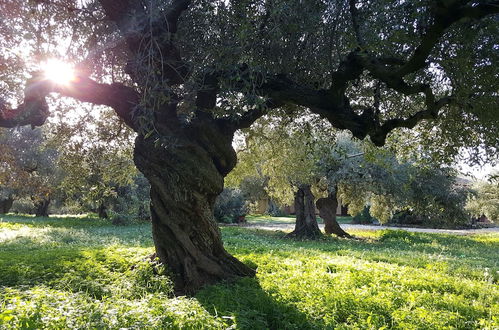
x=42, y=207
x=102, y=211
x=6, y=205
x=185, y=179
x=306, y=226
x=327, y=211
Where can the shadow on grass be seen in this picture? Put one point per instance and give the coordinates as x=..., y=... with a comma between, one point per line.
x=419, y=250
x=261, y=219
x=35, y=267
x=249, y=306
x=71, y=221
x=398, y=240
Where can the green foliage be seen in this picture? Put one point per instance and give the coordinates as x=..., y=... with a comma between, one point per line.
x=230, y=206
x=28, y=165
x=132, y=201
x=282, y=154
x=485, y=200
x=363, y=217
x=95, y=166
x=435, y=196
x=84, y=273
x=289, y=152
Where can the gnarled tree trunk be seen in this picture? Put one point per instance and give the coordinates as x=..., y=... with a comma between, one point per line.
x=185, y=179
x=6, y=204
x=327, y=211
x=102, y=211
x=42, y=207
x=306, y=226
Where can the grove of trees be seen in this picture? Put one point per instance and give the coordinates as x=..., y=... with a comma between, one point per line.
x=295, y=160
x=186, y=75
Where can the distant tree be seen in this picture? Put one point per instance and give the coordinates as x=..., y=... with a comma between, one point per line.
x=93, y=173
x=485, y=200
x=282, y=152
x=435, y=196
x=96, y=159
x=30, y=165
x=298, y=158
x=230, y=206
x=388, y=185
x=12, y=176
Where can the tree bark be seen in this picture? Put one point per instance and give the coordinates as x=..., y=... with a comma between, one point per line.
x=6, y=205
x=327, y=211
x=306, y=226
x=42, y=207
x=185, y=179
x=102, y=211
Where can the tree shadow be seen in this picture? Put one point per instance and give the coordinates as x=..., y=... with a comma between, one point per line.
x=247, y=305
x=396, y=240
x=34, y=267
x=452, y=253
x=64, y=221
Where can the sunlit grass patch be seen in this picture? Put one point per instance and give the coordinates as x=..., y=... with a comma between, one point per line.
x=86, y=273
x=43, y=307
x=82, y=220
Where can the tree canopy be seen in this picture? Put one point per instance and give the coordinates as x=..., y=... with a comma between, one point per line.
x=368, y=67
x=287, y=154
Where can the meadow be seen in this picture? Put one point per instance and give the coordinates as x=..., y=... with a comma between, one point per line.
x=83, y=272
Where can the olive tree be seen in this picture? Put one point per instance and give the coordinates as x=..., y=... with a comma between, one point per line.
x=29, y=166
x=185, y=75
x=485, y=200
x=96, y=161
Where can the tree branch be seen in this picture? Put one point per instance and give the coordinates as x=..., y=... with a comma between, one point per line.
x=250, y=116
x=379, y=133
x=150, y=35
x=356, y=24
x=445, y=14
x=129, y=16
x=34, y=110
x=176, y=9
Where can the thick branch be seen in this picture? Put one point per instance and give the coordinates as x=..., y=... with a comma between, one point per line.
x=356, y=24
x=34, y=110
x=333, y=103
x=176, y=9
x=379, y=133
x=206, y=97
x=150, y=36
x=250, y=116
x=444, y=17
x=121, y=98
x=129, y=16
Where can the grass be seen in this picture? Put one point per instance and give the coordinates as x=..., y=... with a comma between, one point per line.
x=73, y=272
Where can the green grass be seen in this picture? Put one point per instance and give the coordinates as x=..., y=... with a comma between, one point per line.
x=73, y=272
x=287, y=219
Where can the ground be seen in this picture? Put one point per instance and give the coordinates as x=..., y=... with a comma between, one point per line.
x=286, y=224
x=70, y=272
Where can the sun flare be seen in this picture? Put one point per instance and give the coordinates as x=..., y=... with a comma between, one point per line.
x=58, y=71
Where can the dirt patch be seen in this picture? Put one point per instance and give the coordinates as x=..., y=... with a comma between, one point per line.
x=347, y=227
